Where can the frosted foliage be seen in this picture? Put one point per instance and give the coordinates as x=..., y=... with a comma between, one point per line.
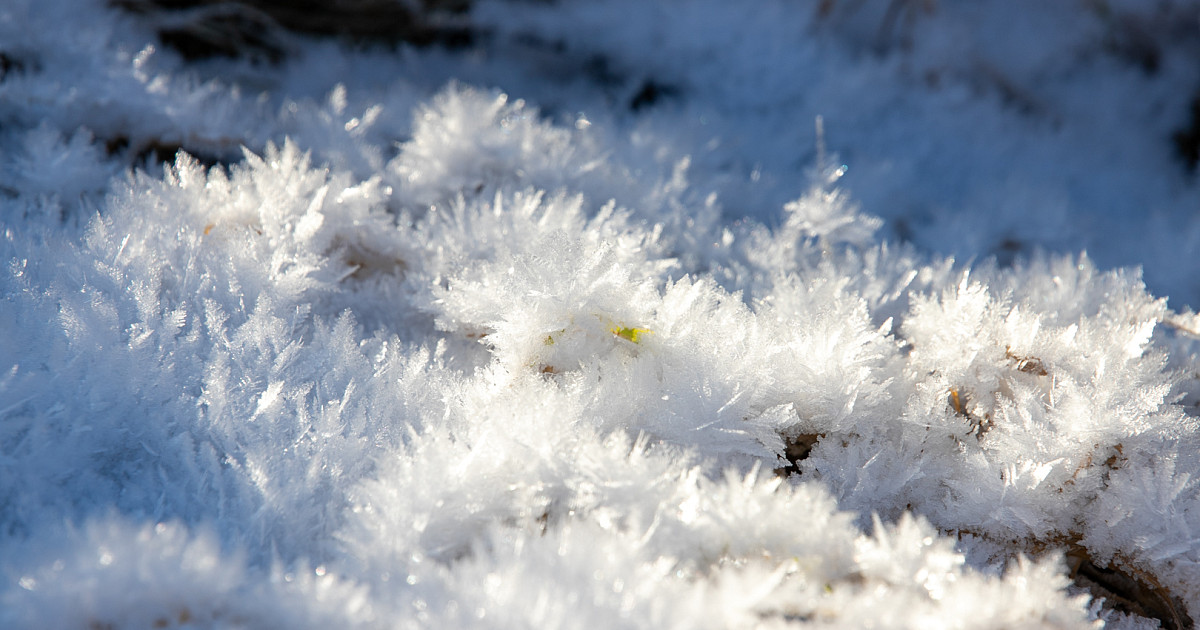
x=685, y=551
x=64, y=170
x=468, y=142
x=377, y=354
x=467, y=139
x=114, y=574
x=829, y=218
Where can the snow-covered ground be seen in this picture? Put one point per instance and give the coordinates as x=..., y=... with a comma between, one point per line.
x=615, y=313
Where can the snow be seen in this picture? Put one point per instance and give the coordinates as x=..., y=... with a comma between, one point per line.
x=626, y=314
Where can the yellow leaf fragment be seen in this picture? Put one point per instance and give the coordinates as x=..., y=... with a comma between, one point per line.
x=630, y=334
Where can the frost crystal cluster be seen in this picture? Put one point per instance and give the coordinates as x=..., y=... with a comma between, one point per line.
x=572, y=330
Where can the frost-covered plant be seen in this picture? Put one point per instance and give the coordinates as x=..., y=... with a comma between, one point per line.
x=116, y=574
x=498, y=368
